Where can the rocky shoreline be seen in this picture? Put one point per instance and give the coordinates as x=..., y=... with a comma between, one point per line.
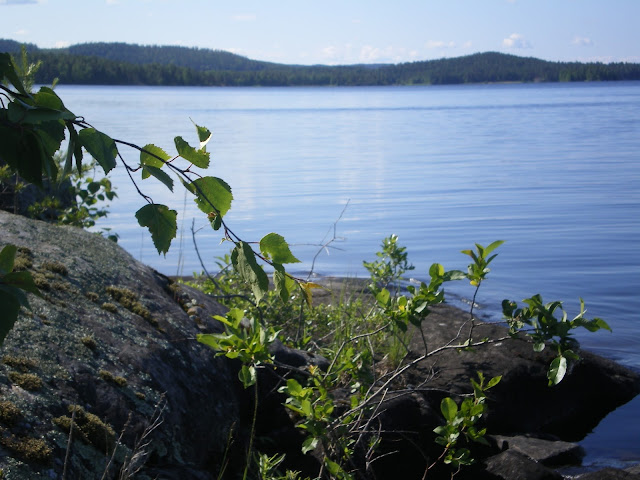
x=110, y=348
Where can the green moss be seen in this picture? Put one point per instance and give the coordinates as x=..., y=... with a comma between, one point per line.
x=141, y=396
x=88, y=427
x=129, y=300
x=93, y=296
x=60, y=286
x=28, y=448
x=110, y=377
x=55, y=267
x=41, y=281
x=23, y=260
x=28, y=381
x=10, y=415
x=23, y=364
x=89, y=342
x=109, y=307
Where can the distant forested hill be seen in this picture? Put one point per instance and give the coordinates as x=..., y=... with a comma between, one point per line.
x=125, y=64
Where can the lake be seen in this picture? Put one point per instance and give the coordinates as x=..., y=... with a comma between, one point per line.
x=552, y=169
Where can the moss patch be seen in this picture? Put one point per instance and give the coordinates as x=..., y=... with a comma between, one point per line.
x=93, y=296
x=55, y=267
x=129, y=300
x=10, y=415
x=23, y=260
x=28, y=448
x=109, y=307
x=88, y=427
x=89, y=342
x=41, y=281
x=28, y=381
x=110, y=377
x=23, y=364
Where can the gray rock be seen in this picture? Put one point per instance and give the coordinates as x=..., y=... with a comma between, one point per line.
x=119, y=360
x=523, y=402
x=551, y=453
x=512, y=465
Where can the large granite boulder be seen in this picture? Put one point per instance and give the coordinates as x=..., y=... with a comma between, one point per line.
x=111, y=345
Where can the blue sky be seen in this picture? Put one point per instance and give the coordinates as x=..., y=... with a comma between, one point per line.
x=340, y=31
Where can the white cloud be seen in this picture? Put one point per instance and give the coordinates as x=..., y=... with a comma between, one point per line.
x=348, y=54
x=516, y=40
x=245, y=17
x=467, y=44
x=582, y=41
x=370, y=54
x=62, y=44
x=112, y=2
x=22, y=31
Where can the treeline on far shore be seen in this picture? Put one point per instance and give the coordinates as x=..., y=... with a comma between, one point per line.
x=124, y=64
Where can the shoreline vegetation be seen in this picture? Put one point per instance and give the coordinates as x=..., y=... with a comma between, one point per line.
x=128, y=64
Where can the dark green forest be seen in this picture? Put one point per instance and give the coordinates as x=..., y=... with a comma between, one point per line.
x=126, y=64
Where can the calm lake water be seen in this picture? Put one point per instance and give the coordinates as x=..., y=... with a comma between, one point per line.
x=552, y=169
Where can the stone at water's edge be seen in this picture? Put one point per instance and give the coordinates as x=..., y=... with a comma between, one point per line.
x=82, y=344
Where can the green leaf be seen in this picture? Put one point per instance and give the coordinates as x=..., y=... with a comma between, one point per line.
x=209, y=339
x=8, y=71
x=152, y=156
x=244, y=262
x=283, y=283
x=275, y=248
x=333, y=467
x=453, y=275
x=9, y=312
x=493, y=382
x=557, y=370
x=383, y=298
x=212, y=190
x=309, y=444
x=159, y=174
x=21, y=280
x=204, y=135
x=100, y=146
x=7, y=257
x=294, y=388
x=492, y=247
x=449, y=409
x=199, y=158
x=162, y=224
x=436, y=270
x=247, y=375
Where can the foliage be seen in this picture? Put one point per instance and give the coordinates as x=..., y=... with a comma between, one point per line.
x=336, y=407
x=33, y=126
x=390, y=267
x=87, y=193
x=546, y=327
x=13, y=288
x=243, y=339
x=462, y=422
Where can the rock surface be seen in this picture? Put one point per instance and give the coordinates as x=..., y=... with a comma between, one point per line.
x=83, y=345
